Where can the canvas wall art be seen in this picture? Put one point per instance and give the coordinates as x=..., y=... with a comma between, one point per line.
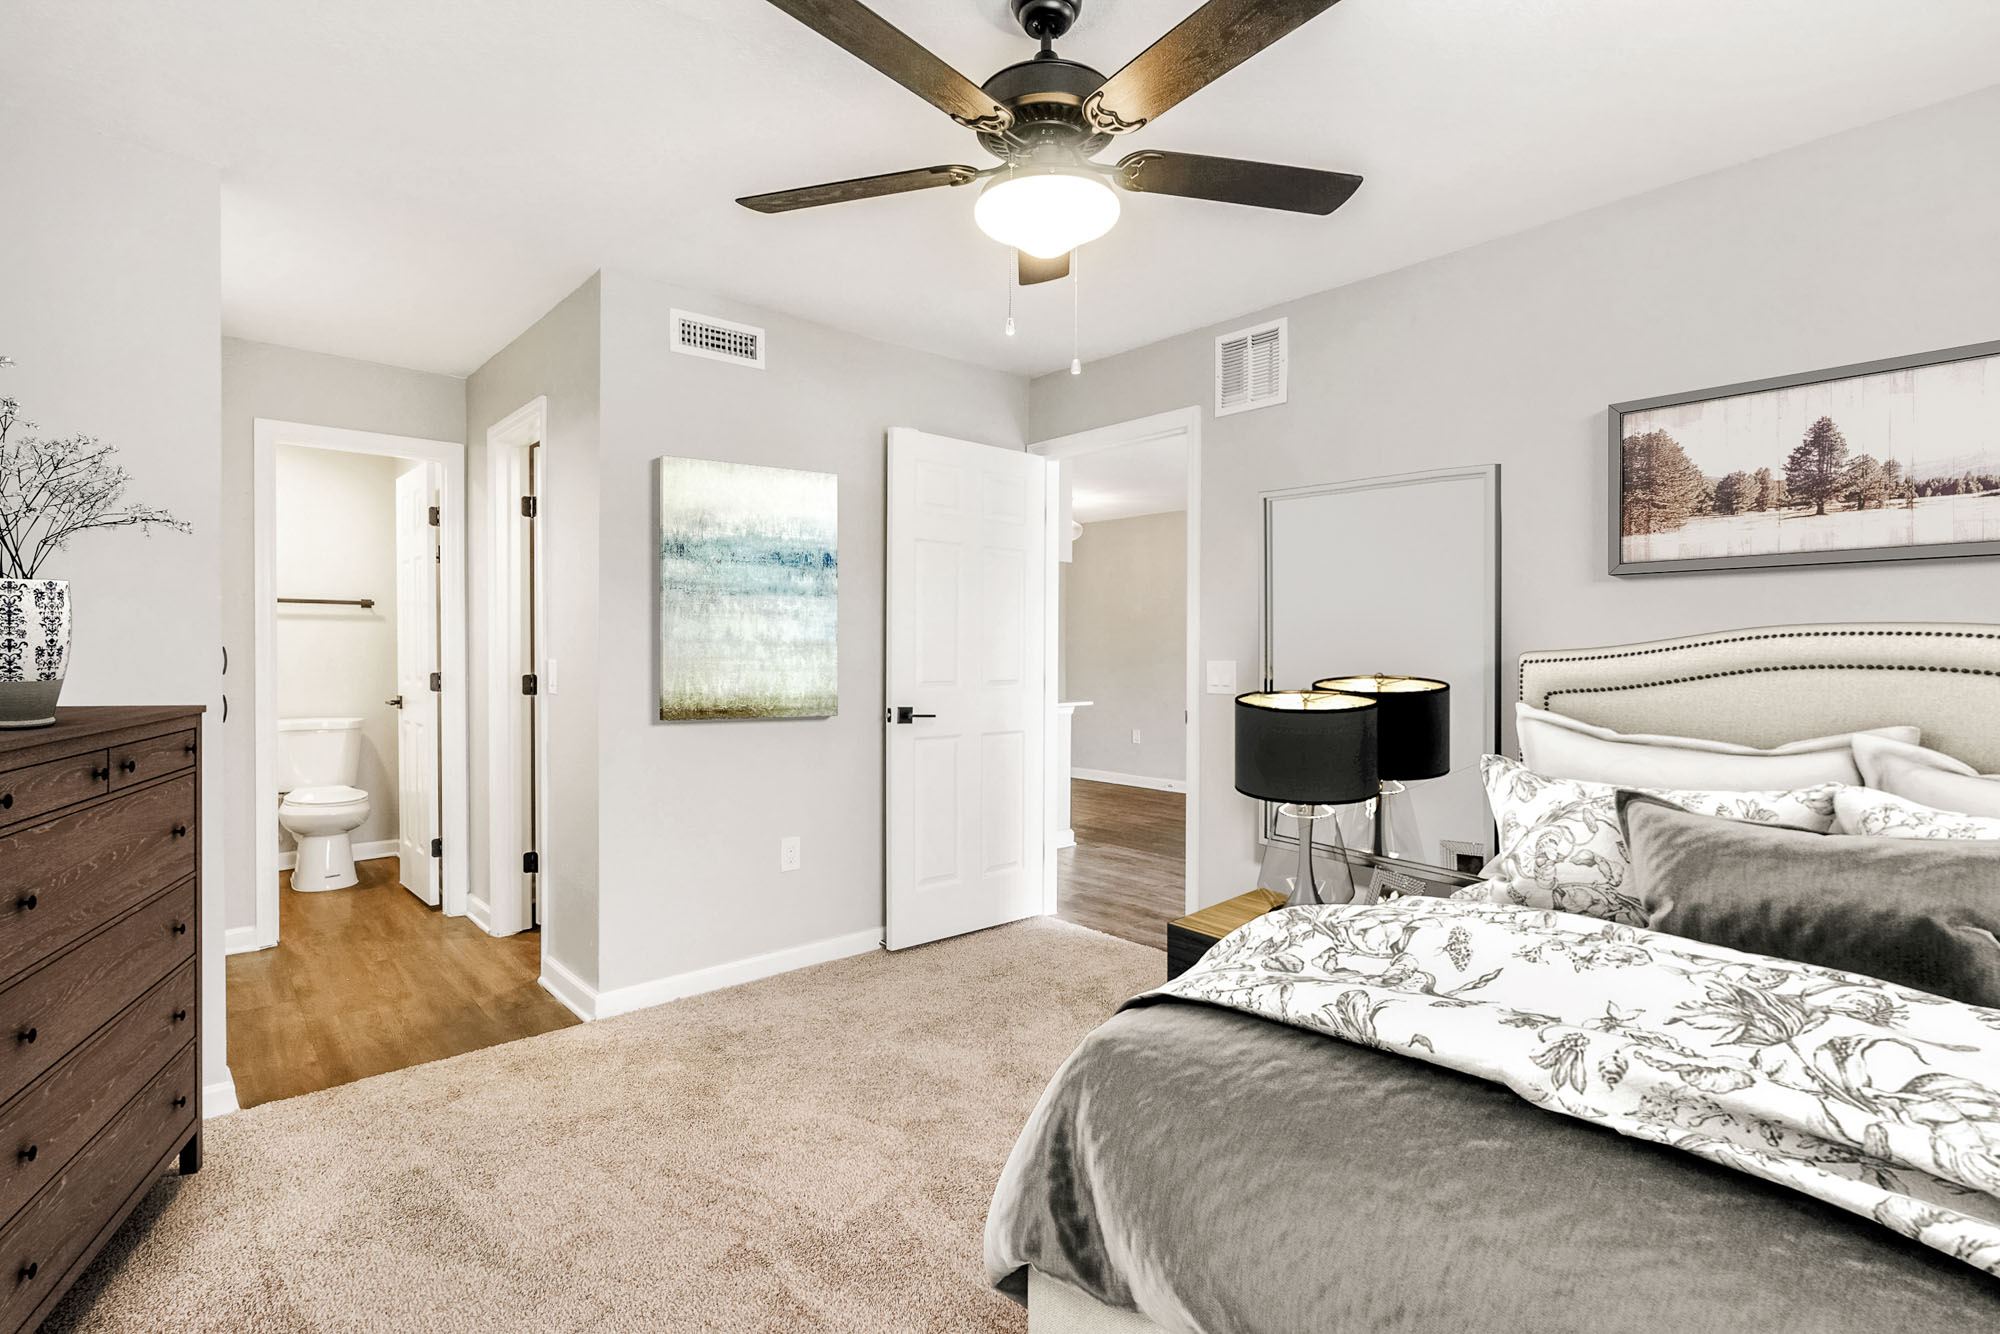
x=1886, y=461
x=749, y=591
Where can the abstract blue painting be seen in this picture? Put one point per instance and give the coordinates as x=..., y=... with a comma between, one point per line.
x=749, y=591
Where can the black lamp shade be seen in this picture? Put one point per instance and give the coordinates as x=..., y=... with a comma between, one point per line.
x=1309, y=747
x=1414, y=723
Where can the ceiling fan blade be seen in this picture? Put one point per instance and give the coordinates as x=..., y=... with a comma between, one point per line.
x=861, y=187
x=861, y=32
x=1229, y=180
x=1034, y=270
x=1206, y=45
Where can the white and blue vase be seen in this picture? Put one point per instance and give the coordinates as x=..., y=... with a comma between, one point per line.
x=34, y=649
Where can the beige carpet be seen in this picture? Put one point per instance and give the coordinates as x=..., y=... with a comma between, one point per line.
x=811, y=1152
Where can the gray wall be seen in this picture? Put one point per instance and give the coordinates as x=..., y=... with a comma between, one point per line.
x=1125, y=645
x=1873, y=243
x=109, y=301
x=285, y=384
x=556, y=357
x=692, y=812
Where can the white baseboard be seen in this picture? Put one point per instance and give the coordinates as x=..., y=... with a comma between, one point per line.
x=240, y=940
x=219, y=1099
x=1065, y=838
x=577, y=996
x=480, y=913
x=589, y=1003
x=288, y=860
x=1130, y=780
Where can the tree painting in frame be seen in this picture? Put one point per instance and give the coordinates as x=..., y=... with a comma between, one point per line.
x=749, y=591
x=1890, y=460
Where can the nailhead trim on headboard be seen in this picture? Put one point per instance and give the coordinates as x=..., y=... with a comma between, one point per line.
x=1751, y=639
x=1788, y=667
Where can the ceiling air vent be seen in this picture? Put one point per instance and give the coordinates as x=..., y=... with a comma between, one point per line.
x=719, y=340
x=1250, y=368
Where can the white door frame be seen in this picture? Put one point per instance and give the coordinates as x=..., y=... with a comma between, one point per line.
x=1185, y=423
x=506, y=909
x=453, y=780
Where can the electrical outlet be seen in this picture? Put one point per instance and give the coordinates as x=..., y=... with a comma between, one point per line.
x=1135, y=736
x=788, y=854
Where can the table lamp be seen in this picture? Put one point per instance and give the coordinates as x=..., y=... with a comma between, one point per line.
x=1413, y=737
x=1309, y=750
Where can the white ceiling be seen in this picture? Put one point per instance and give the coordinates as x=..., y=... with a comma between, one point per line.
x=415, y=183
x=1128, y=481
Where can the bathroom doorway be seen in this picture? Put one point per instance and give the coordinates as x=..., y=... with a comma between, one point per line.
x=373, y=679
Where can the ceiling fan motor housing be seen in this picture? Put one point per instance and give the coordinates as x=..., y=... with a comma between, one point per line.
x=1046, y=98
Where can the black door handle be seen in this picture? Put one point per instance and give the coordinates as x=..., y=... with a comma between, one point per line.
x=907, y=713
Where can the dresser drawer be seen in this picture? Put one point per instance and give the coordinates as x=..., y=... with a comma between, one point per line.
x=54, y=1116
x=44, y=1242
x=60, y=879
x=26, y=793
x=154, y=757
x=52, y=1009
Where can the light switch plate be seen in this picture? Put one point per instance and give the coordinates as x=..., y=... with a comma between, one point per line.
x=1222, y=678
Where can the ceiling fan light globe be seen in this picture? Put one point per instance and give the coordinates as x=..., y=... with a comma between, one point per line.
x=1046, y=214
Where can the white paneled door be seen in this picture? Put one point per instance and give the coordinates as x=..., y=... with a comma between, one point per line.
x=416, y=660
x=968, y=687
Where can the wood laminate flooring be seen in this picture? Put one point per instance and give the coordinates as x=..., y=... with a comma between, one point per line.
x=1127, y=874
x=368, y=980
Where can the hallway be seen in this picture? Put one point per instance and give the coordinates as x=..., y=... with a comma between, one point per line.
x=1127, y=874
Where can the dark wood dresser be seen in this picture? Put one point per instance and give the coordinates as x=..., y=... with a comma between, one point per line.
x=100, y=987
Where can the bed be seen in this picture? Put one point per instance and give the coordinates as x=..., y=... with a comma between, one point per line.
x=1223, y=1169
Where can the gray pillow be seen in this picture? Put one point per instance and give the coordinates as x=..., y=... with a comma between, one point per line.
x=1919, y=913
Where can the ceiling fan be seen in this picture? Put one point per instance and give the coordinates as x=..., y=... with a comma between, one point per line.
x=1045, y=118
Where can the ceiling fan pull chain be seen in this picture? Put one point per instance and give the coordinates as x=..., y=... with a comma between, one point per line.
x=1076, y=311
x=1012, y=279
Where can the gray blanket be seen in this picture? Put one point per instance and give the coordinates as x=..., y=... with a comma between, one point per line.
x=1229, y=1175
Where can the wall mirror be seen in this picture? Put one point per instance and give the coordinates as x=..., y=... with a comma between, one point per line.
x=1394, y=576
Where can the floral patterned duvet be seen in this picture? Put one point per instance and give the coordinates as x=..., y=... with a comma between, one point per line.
x=1871, y=1097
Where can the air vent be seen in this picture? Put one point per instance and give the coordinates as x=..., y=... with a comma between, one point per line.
x=1250, y=368
x=719, y=340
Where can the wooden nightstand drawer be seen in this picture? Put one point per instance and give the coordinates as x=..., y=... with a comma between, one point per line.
x=56, y=1115
x=57, y=880
x=26, y=793
x=154, y=757
x=55, y=1007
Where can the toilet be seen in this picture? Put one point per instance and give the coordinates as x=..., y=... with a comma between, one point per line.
x=318, y=761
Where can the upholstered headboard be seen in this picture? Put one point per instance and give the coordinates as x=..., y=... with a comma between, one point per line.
x=1772, y=684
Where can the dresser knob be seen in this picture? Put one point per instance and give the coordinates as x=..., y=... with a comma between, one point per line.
x=99, y=775
x=188, y=749
x=28, y=1035
x=180, y=1102
x=180, y=831
x=180, y=928
x=180, y=1015
x=6, y=801
x=32, y=1152
x=127, y=766
x=29, y=1270
x=28, y=902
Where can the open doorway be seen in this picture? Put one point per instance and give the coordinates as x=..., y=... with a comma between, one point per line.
x=1126, y=625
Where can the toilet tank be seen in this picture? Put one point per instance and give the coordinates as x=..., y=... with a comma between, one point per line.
x=318, y=752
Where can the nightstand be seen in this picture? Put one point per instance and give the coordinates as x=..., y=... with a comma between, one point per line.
x=1189, y=937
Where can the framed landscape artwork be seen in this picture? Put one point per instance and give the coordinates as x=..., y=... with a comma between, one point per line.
x=749, y=591
x=1886, y=461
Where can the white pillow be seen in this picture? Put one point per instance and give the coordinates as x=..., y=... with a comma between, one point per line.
x=1863, y=810
x=1560, y=747
x=1561, y=846
x=1929, y=777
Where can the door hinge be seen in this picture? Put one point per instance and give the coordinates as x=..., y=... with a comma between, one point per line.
x=529, y=507
x=530, y=863
x=434, y=516
x=530, y=684
x=437, y=680
x=437, y=847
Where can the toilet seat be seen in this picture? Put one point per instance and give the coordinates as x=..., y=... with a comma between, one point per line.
x=324, y=796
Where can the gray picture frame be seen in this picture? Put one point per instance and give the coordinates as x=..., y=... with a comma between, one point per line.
x=1614, y=456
